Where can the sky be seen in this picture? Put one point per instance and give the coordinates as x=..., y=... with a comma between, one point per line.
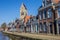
x=10, y=9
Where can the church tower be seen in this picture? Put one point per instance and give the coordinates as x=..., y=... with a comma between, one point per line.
x=23, y=11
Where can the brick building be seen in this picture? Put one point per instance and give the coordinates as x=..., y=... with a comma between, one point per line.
x=48, y=16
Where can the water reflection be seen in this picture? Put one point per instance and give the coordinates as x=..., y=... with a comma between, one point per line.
x=11, y=37
x=3, y=37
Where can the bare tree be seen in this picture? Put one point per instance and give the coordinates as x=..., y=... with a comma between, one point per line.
x=3, y=26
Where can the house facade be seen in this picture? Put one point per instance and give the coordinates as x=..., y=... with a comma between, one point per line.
x=48, y=16
x=46, y=21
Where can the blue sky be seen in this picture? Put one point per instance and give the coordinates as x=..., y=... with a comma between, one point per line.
x=10, y=9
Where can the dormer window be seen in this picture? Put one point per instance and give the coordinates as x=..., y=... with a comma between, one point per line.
x=44, y=3
x=48, y=2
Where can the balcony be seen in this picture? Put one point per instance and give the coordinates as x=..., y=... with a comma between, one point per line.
x=50, y=5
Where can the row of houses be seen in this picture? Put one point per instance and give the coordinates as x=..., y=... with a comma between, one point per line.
x=46, y=21
x=49, y=16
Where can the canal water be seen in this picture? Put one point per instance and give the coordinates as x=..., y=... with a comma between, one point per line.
x=3, y=37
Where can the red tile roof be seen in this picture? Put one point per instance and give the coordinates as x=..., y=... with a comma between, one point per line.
x=26, y=19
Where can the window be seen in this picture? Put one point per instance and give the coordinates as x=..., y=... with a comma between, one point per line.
x=34, y=19
x=45, y=27
x=40, y=16
x=41, y=27
x=59, y=26
x=49, y=13
x=29, y=20
x=22, y=13
x=36, y=27
x=58, y=12
x=48, y=2
x=44, y=14
x=44, y=3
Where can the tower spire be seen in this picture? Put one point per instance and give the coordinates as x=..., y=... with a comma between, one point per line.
x=23, y=11
x=23, y=5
